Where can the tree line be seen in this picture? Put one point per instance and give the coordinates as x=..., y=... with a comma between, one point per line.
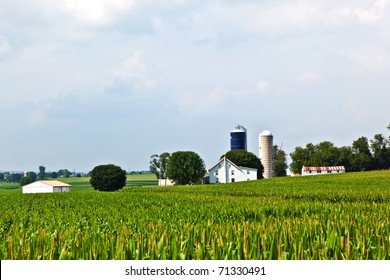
x=362, y=155
x=31, y=176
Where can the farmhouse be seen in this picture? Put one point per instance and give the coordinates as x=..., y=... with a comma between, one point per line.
x=51, y=186
x=225, y=171
x=318, y=170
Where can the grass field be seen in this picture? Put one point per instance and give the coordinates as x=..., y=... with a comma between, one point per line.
x=343, y=216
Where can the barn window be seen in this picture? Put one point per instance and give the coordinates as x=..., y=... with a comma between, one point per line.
x=318, y=171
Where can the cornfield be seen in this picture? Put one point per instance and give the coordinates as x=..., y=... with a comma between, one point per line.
x=345, y=216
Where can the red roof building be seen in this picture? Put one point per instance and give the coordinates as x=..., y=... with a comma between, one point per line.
x=318, y=170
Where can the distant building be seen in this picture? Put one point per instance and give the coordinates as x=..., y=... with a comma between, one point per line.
x=46, y=186
x=165, y=182
x=318, y=170
x=225, y=171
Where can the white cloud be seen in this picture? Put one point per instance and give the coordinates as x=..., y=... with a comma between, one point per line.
x=4, y=45
x=370, y=57
x=262, y=86
x=97, y=12
x=133, y=68
x=309, y=77
x=134, y=63
x=370, y=14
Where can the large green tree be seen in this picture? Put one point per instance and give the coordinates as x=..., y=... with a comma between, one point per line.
x=159, y=164
x=246, y=159
x=108, y=178
x=186, y=167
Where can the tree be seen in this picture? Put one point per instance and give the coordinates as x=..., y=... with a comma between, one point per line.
x=380, y=151
x=299, y=158
x=53, y=175
x=159, y=164
x=15, y=177
x=108, y=178
x=246, y=159
x=280, y=162
x=33, y=176
x=66, y=173
x=25, y=181
x=41, y=174
x=361, y=155
x=345, y=158
x=186, y=167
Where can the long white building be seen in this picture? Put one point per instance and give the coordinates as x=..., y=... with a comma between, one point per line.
x=319, y=170
x=225, y=171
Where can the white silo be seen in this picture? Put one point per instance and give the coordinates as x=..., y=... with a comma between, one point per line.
x=265, y=154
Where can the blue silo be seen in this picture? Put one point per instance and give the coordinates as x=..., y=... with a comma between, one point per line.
x=238, y=138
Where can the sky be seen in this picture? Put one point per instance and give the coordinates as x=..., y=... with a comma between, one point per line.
x=90, y=82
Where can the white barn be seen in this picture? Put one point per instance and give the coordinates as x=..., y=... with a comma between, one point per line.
x=225, y=171
x=318, y=170
x=51, y=186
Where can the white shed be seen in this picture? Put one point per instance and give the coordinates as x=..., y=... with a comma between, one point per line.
x=49, y=186
x=225, y=171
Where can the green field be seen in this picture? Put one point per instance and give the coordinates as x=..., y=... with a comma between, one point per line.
x=341, y=216
x=82, y=183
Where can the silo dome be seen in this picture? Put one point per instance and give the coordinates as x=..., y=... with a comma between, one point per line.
x=266, y=133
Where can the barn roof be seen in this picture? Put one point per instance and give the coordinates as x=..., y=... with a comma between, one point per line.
x=52, y=183
x=322, y=168
x=232, y=163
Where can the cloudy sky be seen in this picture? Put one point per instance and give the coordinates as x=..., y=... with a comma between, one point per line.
x=89, y=82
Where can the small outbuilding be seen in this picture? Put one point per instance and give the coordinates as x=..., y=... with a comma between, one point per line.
x=318, y=170
x=46, y=186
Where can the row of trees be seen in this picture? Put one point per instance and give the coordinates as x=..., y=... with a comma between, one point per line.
x=362, y=155
x=31, y=176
